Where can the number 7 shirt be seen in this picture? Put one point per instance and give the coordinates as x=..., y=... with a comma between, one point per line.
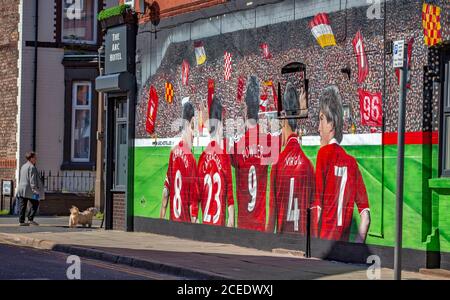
x=181, y=182
x=339, y=185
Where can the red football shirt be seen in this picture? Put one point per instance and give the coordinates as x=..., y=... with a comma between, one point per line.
x=292, y=186
x=181, y=181
x=250, y=158
x=339, y=185
x=215, y=184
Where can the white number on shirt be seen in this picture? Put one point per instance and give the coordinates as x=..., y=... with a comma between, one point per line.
x=252, y=185
x=341, y=172
x=177, y=199
x=209, y=182
x=293, y=214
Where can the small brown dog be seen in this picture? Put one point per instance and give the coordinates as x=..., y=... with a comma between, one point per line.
x=84, y=218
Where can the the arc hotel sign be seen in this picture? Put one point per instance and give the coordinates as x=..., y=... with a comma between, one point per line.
x=116, y=56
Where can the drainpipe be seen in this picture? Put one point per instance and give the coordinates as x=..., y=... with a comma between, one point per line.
x=36, y=31
x=99, y=182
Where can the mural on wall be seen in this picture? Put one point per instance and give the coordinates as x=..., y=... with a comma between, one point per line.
x=216, y=166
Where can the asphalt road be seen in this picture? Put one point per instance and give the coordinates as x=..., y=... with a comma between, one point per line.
x=32, y=264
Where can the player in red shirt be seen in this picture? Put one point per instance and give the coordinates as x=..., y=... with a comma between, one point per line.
x=214, y=174
x=292, y=177
x=250, y=157
x=339, y=184
x=180, y=185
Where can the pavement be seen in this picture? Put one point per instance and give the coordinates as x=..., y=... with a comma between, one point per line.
x=181, y=257
x=25, y=263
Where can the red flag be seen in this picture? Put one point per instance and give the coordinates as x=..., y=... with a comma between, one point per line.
x=266, y=51
x=371, y=108
x=363, y=64
x=321, y=29
x=240, y=88
x=185, y=72
x=152, y=109
x=227, y=65
x=210, y=92
x=169, y=92
x=397, y=71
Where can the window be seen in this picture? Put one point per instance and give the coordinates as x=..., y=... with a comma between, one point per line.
x=121, y=147
x=81, y=121
x=445, y=158
x=80, y=114
x=79, y=21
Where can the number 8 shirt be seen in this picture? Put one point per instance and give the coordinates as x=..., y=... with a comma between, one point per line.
x=339, y=185
x=215, y=184
x=181, y=182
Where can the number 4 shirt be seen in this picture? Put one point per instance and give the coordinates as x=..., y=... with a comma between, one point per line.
x=339, y=185
x=181, y=181
x=215, y=184
x=292, y=186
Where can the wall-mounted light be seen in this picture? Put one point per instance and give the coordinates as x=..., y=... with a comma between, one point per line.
x=249, y=3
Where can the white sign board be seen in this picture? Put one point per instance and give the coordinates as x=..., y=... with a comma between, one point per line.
x=6, y=188
x=129, y=2
x=399, y=53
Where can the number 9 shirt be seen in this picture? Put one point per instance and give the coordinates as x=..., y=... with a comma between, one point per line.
x=250, y=156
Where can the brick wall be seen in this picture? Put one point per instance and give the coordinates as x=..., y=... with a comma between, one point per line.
x=58, y=204
x=9, y=54
x=119, y=211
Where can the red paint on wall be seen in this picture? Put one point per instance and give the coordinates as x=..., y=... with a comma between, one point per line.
x=412, y=138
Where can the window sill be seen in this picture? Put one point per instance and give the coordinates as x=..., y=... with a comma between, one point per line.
x=78, y=166
x=118, y=189
x=439, y=183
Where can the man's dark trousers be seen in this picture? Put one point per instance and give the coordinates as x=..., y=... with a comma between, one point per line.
x=23, y=202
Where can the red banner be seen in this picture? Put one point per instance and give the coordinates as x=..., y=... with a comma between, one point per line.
x=363, y=64
x=240, y=88
x=371, y=108
x=152, y=109
x=228, y=58
x=266, y=52
x=185, y=72
x=210, y=92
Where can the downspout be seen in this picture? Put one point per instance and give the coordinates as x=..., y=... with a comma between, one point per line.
x=36, y=31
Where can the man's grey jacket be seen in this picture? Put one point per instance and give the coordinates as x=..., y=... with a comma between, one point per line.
x=29, y=181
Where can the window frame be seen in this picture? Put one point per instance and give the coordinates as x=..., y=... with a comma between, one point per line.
x=93, y=45
x=94, y=41
x=445, y=109
x=118, y=121
x=77, y=71
x=76, y=107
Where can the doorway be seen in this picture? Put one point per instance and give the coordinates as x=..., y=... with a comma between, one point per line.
x=116, y=170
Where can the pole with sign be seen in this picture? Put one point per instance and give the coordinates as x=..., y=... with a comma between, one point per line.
x=400, y=61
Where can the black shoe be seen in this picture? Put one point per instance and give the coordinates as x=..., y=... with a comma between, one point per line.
x=24, y=224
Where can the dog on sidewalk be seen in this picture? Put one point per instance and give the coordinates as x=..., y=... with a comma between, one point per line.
x=84, y=218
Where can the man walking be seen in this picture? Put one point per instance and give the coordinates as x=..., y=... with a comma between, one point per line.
x=29, y=189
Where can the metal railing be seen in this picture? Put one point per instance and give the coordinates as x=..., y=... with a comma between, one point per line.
x=64, y=182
